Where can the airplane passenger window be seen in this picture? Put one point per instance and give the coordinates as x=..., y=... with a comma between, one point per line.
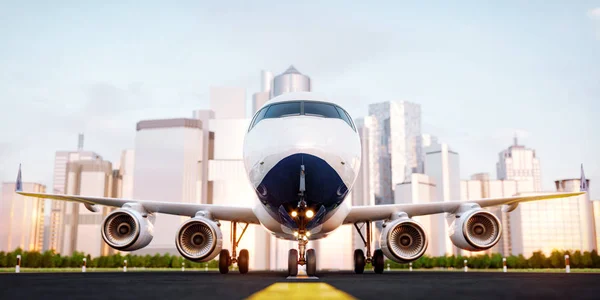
x=321, y=110
x=282, y=110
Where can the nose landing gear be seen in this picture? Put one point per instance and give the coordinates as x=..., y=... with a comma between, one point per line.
x=302, y=216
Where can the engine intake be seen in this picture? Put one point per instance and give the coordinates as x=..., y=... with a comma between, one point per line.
x=476, y=230
x=127, y=230
x=403, y=240
x=199, y=239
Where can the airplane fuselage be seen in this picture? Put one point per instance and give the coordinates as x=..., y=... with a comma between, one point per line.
x=299, y=133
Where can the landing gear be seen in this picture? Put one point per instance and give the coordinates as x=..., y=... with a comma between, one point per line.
x=378, y=259
x=302, y=216
x=293, y=262
x=359, y=261
x=226, y=261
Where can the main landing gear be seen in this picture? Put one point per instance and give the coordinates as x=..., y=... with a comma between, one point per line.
x=377, y=261
x=225, y=260
x=302, y=216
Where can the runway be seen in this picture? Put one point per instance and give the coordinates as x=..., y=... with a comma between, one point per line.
x=261, y=285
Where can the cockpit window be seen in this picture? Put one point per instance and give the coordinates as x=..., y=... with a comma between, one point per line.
x=286, y=109
x=306, y=108
x=320, y=110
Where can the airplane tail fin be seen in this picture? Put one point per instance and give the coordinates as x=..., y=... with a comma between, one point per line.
x=19, y=183
x=583, y=186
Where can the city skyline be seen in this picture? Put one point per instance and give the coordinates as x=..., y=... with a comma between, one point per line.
x=534, y=64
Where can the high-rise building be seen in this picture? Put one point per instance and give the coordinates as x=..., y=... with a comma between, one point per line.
x=258, y=100
x=228, y=102
x=266, y=81
x=442, y=165
x=58, y=208
x=126, y=169
x=562, y=224
x=481, y=186
x=290, y=81
x=419, y=189
x=520, y=164
x=168, y=164
x=596, y=207
x=81, y=230
x=208, y=151
x=22, y=218
x=398, y=133
x=261, y=97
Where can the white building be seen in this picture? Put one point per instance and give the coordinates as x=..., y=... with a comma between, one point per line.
x=596, y=206
x=419, y=189
x=561, y=224
x=81, y=226
x=22, y=218
x=168, y=164
x=126, y=168
x=520, y=164
x=398, y=133
x=58, y=208
x=290, y=81
x=228, y=102
x=266, y=84
x=442, y=165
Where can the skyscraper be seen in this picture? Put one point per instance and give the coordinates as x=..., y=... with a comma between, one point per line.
x=22, y=218
x=564, y=224
x=520, y=164
x=228, y=102
x=81, y=230
x=58, y=208
x=442, y=165
x=290, y=81
x=398, y=133
x=168, y=163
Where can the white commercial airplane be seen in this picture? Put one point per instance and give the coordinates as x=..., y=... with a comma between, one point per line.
x=302, y=155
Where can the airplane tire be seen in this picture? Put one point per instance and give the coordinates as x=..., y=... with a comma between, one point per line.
x=224, y=261
x=359, y=261
x=243, y=261
x=293, y=262
x=311, y=262
x=378, y=261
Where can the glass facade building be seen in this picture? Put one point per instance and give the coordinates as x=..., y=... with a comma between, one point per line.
x=290, y=81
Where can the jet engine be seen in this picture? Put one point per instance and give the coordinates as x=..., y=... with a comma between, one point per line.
x=126, y=229
x=475, y=230
x=403, y=240
x=199, y=239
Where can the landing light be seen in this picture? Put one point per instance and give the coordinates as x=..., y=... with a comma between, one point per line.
x=295, y=233
x=309, y=213
x=305, y=238
x=308, y=233
x=294, y=213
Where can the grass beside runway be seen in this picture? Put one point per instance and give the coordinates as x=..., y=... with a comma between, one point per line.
x=88, y=270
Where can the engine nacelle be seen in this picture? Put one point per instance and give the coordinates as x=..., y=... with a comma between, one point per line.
x=476, y=230
x=126, y=229
x=403, y=240
x=199, y=239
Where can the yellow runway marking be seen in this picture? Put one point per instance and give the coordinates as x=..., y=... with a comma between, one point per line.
x=300, y=290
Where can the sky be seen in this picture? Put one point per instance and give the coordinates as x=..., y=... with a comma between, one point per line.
x=482, y=72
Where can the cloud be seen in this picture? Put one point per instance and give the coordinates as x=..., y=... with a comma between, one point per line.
x=594, y=13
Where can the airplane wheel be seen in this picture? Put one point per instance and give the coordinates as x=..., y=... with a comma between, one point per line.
x=359, y=261
x=293, y=262
x=243, y=261
x=378, y=261
x=224, y=261
x=311, y=262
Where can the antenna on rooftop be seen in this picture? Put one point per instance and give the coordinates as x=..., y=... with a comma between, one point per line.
x=80, y=142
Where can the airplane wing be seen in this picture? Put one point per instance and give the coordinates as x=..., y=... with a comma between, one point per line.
x=383, y=212
x=219, y=212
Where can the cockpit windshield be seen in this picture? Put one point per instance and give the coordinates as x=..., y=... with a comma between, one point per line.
x=304, y=108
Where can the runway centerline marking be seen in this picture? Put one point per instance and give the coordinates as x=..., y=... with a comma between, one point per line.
x=300, y=290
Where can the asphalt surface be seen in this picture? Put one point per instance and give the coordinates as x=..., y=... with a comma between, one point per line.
x=212, y=285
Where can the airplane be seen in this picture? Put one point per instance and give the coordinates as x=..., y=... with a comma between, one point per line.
x=302, y=155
